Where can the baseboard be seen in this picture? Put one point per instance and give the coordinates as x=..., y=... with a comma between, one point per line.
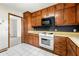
x=2, y=50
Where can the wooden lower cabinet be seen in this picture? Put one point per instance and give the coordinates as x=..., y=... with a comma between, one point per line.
x=60, y=45
x=64, y=46
x=77, y=51
x=71, y=48
x=32, y=39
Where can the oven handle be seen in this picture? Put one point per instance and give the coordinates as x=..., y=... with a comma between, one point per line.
x=44, y=39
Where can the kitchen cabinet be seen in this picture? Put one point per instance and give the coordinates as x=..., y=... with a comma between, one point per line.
x=33, y=21
x=69, y=16
x=64, y=46
x=36, y=40
x=59, y=6
x=69, y=5
x=27, y=21
x=77, y=21
x=32, y=39
x=77, y=51
x=59, y=18
x=36, y=19
x=71, y=48
x=60, y=45
x=44, y=13
x=51, y=11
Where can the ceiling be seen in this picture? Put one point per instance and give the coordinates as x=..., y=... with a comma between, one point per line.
x=23, y=7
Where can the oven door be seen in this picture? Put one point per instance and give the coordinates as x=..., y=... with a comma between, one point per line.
x=46, y=42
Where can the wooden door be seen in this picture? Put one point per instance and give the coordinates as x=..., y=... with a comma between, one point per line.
x=51, y=11
x=60, y=45
x=77, y=21
x=36, y=41
x=69, y=5
x=77, y=51
x=59, y=18
x=59, y=6
x=44, y=13
x=69, y=16
x=71, y=48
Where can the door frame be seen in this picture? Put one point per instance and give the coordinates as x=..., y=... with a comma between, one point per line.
x=10, y=14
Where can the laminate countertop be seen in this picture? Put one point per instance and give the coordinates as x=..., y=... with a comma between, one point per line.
x=74, y=36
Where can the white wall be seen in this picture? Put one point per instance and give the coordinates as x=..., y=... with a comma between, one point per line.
x=4, y=26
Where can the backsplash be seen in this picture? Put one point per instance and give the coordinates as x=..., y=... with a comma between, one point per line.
x=66, y=28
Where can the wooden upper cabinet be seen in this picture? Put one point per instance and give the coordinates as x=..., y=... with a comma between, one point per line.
x=60, y=6
x=77, y=21
x=36, y=19
x=69, y=16
x=27, y=21
x=59, y=18
x=68, y=5
x=33, y=21
x=38, y=12
x=34, y=14
x=51, y=10
x=44, y=12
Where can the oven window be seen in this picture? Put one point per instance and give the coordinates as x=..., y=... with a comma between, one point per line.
x=45, y=41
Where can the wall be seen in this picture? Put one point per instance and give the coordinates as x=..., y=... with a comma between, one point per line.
x=4, y=26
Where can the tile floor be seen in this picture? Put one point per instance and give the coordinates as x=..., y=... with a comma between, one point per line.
x=25, y=50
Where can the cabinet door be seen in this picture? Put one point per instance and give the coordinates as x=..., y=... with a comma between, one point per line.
x=36, y=40
x=68, y=5
x=33, y=21
x=69, y=16
x=38, y=12
x=60, y=45
x=59, y=18
x=60, y=6
x=77, y=21
x=71, y=48
x=38, y=20
x=34, y=14
x=51, y=11
x=70, y=52
x=77, y=51
x=44, y=13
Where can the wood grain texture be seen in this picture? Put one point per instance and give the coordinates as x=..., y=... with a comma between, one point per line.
x=60, y=45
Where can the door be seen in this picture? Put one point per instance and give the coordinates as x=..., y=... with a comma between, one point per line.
x=69, y=16
x=14, y=30
x=59, y=18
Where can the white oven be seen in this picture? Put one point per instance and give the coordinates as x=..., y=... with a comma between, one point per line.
x=46, y=41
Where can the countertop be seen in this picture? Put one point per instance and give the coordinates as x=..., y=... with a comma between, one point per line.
x=74, y=36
